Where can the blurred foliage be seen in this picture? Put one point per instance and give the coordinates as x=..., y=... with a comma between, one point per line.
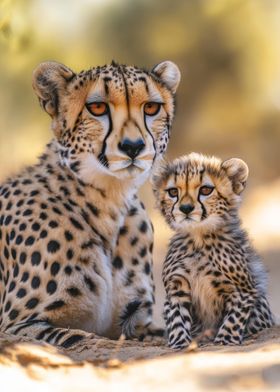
x=228, y=52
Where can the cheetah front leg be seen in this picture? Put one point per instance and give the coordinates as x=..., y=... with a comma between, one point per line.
x=177, y=312
x=261, y=317
x=133, y=286
x=238, y=308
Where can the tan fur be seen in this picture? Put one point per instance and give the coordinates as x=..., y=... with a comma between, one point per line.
x=75, y=240
x=212, y=276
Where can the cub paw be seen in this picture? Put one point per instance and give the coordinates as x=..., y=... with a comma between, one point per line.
x=179, y=344
x=227, y=340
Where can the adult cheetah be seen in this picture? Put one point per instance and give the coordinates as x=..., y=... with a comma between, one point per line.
x=213, y=278
x=75, y=241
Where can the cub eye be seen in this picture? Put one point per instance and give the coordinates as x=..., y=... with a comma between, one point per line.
x=151, y=108
x=206, y=190
x=97, y=108
x=173, y=192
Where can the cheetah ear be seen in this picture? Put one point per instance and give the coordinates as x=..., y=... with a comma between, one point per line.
x=237, y=171
x=49, y=81
x=169, y=73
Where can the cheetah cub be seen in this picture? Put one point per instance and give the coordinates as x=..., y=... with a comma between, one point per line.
x=212, y=276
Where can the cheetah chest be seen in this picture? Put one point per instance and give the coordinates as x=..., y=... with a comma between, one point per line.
x=207, y=303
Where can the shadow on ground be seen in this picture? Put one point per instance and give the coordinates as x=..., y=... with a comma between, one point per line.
x=132, y=365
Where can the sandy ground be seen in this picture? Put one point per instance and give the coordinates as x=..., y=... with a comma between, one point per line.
x=106, y=365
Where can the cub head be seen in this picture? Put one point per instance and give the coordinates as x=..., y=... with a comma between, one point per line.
x=113, y=119
x=197, y=191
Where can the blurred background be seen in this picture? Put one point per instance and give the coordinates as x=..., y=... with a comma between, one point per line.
x=228, y=102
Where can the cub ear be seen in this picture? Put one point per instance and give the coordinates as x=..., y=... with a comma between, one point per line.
x=169, y=73
x=49, y=81
x=237, y=171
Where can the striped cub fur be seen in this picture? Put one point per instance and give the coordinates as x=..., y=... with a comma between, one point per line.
x=213, y=278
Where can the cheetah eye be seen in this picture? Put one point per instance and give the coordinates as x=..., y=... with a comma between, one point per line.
x=172, y=192
x=206, y=190
x=97, y=108
x=152, y=108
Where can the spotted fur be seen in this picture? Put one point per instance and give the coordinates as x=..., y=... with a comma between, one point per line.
x=75, y=240
x=213, y=278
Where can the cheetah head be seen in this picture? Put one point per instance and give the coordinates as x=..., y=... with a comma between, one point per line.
x=113, y=120
x=199, y=192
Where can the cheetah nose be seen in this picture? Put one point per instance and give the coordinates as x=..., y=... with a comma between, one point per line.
x=132, y=148
x=186, y=208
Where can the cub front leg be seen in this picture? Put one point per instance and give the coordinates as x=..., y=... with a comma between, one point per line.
x=238, y=309
x=261, y=317
x=177, y=312
x=132, y=264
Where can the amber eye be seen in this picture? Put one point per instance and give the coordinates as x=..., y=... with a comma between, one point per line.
x=151, y=108
x=97, y=108
x=206, y=190
x=173, y=192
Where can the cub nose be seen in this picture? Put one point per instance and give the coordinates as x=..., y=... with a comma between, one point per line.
x=186, y=208
x=132, y=148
